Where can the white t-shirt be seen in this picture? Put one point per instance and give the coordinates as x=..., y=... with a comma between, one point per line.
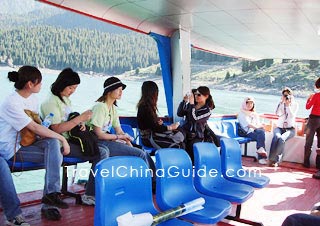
x=12, y=120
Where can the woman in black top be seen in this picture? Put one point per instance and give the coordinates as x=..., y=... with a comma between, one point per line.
x=150, y=126
x=196, y=109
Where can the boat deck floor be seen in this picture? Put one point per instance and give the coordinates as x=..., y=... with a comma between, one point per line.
x=292, y=189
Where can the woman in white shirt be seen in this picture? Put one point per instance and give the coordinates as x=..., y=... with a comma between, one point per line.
x=286, y=110
x=250, y=123
x=13, y=119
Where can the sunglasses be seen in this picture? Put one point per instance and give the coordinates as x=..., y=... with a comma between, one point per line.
x=198, y=94
x=248, y=102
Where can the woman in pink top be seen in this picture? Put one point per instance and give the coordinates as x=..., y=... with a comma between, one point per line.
x=313, y=126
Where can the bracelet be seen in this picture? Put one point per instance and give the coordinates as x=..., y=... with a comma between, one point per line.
x=117, y=137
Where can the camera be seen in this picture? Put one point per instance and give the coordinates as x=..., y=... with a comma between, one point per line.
x=288, y=97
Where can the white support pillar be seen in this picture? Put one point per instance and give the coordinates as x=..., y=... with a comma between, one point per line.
x=181, y=71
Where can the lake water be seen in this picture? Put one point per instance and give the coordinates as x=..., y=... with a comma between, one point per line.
x=227, y=102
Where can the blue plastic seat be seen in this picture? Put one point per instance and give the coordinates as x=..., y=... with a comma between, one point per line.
x=207, y=159
x=230, y=130
x=232, y=169
x=24, y=166
x=175, y=186
x=120, y=192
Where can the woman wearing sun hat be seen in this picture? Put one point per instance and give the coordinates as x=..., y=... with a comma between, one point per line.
x=250, y=123
x=105, y=117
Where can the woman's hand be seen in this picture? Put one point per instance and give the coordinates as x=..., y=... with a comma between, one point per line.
x=125, y=138
x=173, y=126
x=186, y=97
x=85, y=116
x=191, y=99
x=66, y=146
x=82, y=126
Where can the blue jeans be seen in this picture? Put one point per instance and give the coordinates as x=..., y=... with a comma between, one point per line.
x=301, y=219
x=280, y=136
x=45, y=151
x=259, y=136
x=120, y=149
x=8, y=195
x=75, y=151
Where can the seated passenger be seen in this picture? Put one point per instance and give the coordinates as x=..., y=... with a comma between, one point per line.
x=153, y=132
x=13, y=119
x=105, y=117
x=59, y=104
x=287, y=111
x=250, y=123
x=196, y=110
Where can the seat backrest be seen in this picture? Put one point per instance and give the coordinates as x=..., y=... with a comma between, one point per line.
x=229, y=129
x=174, y=178
x=207, y=162
x=123, y=184
x=237, y=125
x=128, y=129
x=230, y=155
x=216, y=126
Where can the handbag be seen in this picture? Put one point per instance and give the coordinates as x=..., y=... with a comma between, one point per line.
x=28, y=137
x=175, y=138
x=241, y=132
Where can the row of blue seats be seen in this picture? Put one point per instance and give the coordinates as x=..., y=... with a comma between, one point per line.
x=229, y=128
x=118, y=194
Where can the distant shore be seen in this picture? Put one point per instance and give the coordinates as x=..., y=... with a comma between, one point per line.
x=130, y=76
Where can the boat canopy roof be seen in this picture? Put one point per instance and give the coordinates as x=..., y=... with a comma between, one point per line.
x=251, y=29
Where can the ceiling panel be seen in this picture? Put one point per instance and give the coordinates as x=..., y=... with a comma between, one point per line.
x=245, y=28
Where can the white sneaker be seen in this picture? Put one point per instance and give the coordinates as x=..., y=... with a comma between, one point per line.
x=262, y=161
x=262, y=152
x=88, y=200
x=18, y=220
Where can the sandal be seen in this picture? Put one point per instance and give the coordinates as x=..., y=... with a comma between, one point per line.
x=51, y=213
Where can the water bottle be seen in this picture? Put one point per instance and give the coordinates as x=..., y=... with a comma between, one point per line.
x=47, y=120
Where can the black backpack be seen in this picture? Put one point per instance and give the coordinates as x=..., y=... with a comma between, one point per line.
x=87, y=140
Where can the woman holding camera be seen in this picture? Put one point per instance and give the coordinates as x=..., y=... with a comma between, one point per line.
x=287, y=110
x=196, y=108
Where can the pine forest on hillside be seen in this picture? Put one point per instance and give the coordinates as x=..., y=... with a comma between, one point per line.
x=82, y=49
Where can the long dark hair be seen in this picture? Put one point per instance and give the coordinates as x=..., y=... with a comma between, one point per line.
x=317, y=83
x=24, y=75
x=149, y=97
x=206, y=91
x=67, y=77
